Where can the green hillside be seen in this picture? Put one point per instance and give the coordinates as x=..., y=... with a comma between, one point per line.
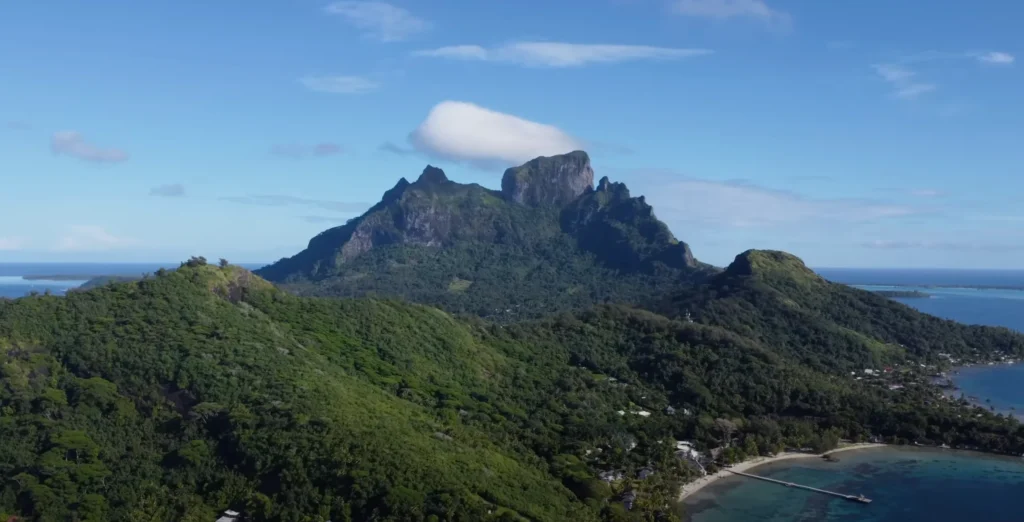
x=205, y=388
x=772, y=297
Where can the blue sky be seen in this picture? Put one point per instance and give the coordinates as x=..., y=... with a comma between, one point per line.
x=869, y=133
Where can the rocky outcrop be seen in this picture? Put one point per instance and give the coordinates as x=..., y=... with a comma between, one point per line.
x=432, y=175
x=545, y=199
x=549, y=181
x=623, y=231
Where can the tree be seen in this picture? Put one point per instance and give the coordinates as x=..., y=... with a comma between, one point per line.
x=726, y=427
x=750, y=447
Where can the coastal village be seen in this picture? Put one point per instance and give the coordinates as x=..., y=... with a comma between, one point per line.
x=712, y=463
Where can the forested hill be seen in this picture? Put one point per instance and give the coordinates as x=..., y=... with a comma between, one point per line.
x=205, y=388
x=547, y=241
x=774, y=298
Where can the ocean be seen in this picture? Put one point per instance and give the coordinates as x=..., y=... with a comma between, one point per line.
x=987, y=297
x=905, y=484
x=13, y=282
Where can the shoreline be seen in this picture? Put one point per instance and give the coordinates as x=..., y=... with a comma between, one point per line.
x=953, y=391
x=692, y=487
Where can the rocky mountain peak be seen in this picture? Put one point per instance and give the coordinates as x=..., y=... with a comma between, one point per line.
x=771, y=264
x=395, y=193
x=549, y=180
x=432, y=175
x=613, y=189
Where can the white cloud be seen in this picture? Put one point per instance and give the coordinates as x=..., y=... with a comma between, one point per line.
x=996, y=58
x=744, y=205
x=903, y=81
x=466, y=132
x=82, y=238
x=379, y=20
x=725, y=9
x=560, y=54
x=9, y=244
x=73, y=144
x=463, y=52
x=339, y=84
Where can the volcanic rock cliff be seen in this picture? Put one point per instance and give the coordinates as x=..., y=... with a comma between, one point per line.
x=547, y=214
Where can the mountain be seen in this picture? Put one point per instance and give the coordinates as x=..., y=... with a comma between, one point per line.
x=547, y=241
x=774, y=298
x=206, y=388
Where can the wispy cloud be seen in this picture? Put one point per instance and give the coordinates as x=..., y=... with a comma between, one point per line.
x=284, y=201
x=397, y=150
x=339, y=84
x=887, y=244
x=995, y=58
x=297, y=151
x=903, y=81
x=174, y=190
x=463, y=131
x=927, y=193
x=982, y=57
x=72, y=143
x=745, y=205
x=727, y=9
x=560, y=54
x=83, y=238
x=10, y=244
x=379, y=20
x=803, y=178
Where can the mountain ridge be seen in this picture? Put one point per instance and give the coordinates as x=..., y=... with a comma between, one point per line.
x=594, y=242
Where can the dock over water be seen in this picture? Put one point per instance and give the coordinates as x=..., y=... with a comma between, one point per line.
x=854, y=498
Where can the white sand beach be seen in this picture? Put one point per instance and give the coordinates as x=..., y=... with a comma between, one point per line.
x=695, y=486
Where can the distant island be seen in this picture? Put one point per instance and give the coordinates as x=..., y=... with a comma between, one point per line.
x=903, y=293
x=59, y=277
x=972, y=287
x=91, y=281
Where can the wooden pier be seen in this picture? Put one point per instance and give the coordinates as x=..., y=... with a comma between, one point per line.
x=853, y=498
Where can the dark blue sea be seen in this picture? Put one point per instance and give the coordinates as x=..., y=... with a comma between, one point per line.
x=973, y=297
x=987, y=297
x=13, y=283
x=906, y=484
